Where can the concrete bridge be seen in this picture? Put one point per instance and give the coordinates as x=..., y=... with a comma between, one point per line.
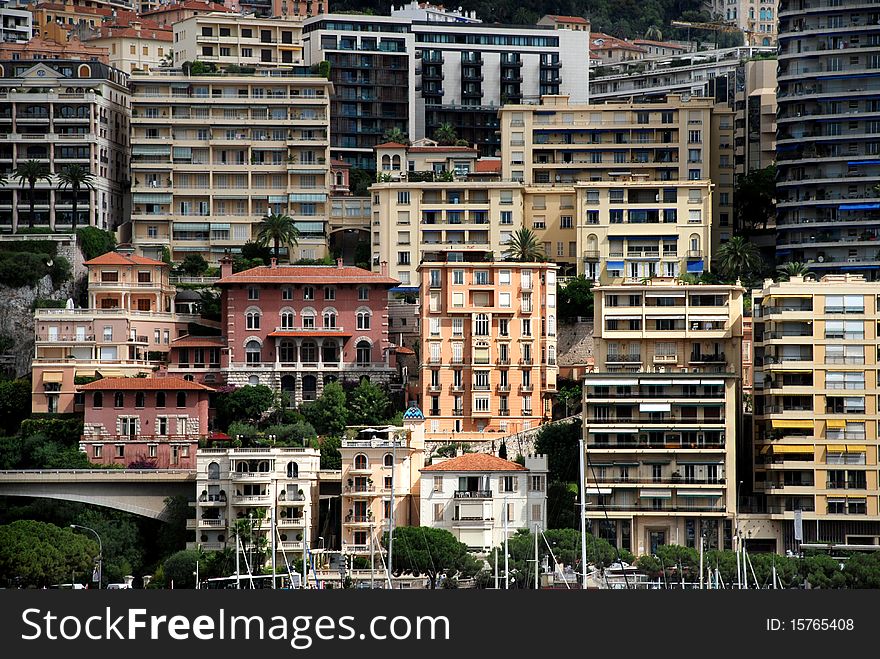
x=138, y=491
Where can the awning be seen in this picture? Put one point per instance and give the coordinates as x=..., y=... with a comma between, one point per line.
x=792, y=423
x=856, y=448
x=655, y=494
x=626, y=464
x=654, y=407
x=598, y=490
x=111, y=373
x=664, y=295
x=609, y=431
x=836, y=448
x=858, y=207
x=309, y=227
x=713, y=383
x=695, y=266
x=277, y=199
x=88, y=373
x=709, y=319
x=150, y=198
x=614, y=265
x=835, y=423
x=53, y=376
x=788, y=448
x=404, y=289
x=699, y=493
x=313, y=197
x=655, y=382
x=616, y=317
x=191, y=226
x=657, y=461
x=182, y=152
x=662, y=316
x=611, y=383
x=151, y=150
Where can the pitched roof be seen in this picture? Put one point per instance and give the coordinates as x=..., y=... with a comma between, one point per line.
x=115, y=258
x=144, y=384
x=191, y=4
x=487, y=165
x=198, y=341
x=390, y=145
x=77, y=9
x=568, y=19
x=128, y=32
x=308, y=274
x=476, y=462
x=607, y=42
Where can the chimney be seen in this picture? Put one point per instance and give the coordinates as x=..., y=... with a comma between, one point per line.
x=339, y=263
x=226, y=266
x=383, y=268
x=136, y=25
x=273, y=263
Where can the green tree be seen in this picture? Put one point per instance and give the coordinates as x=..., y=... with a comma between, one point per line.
x=560, y=442
x=15, y=405
x=93, y=242
x=248, y=403
x=329, y=413
x=793, y=269
x=432, y=552
x=179, y=569
x=740, y=258
x=576, y=298
x=75, y=177
x=524, y=246
x=754, y=199
x=445, y=135
x=278, y=229
x=209, y=304
x=40, y=554
x=368, y=404
x=359, y=181
x=331, y=457
x=171, y=534
x=396, y=135
x=194, y=265
x=30, y=172
x=654, y=33
x=123, y=547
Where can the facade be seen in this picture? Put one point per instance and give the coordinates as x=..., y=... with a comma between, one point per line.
x=418, y=161
x=380, y=481
x=661, y=412
x=135, y=46
x=125, y=331
x=67, y=16
x=816, y=348
x=488, y=348
x=174, y=12
x=212, y=155
x=300, y=8
x=275, y=488
x=40, y=48
x=16, y=25
x=145, y=421
x=295, y=328
x=60, y=112
x=229, y=39
x=480, y=498
x=757, y=20
x=827, y=157
x=566, y=22
x=662, y=48
x=611, y=50
x=758, y=148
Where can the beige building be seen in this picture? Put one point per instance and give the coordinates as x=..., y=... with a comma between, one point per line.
x=661, y=412
x=488, y=347
x=136, y=46
x=423, y=161
x=758, y=117
x=212, y=155
x=230, y=39
x=816, y=397
x=380, y=474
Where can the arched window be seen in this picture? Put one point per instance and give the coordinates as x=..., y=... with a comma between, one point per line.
x=340, y=179
x=118, y=399
x=388, y=460
x=287, y=317
x=551, y=325
x=242, y=467
x=263, y=466
x=309, y=351
x=252, y=319
x=395, y=162
x=386, y=162
x=363, y=319
x=364, y=353
x=329, y=320
x=98, y=399
x=481, y=325
x=253, y=353
x=551, y=355
x=592, y=243
x=361, y=462
x=85, y=71
x=292, y=470
x=287, y=351
x=213, y=471
x=308, y=318
x=160, y=399
x=139, y=399
x=694, y=243
x=181, y=399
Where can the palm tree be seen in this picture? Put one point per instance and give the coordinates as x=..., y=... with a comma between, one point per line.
x=524, y=246
x=739, y=259
x=75, y=177
x=396, y=135
x=30, y=172
x=445, y=135
x=654, y=33
x=793, y=269
x=277, y=229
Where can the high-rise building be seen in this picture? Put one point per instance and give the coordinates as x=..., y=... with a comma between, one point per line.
x=815, y=404
x=828, y=153
x=488, y=347
x=59, y=113
x=212, y=155
x=16, y=25
x=661, y=412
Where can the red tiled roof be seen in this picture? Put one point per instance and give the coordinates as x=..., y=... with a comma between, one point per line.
x=108, y=32
x=568, y=19
x=145, y=384
x=52, y=6
x=403, y=350
x=198, y=341
x=308, y=274
x=390, y=145
x=191, y=4
x=441, y=149
x=476, y=462
x=664, y=44
x=609, y=42
x=488, y=165
x=115, y=258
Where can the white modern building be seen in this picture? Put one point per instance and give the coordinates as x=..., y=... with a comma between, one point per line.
x=16, y=25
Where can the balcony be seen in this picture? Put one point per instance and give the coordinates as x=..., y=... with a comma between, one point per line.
x=502, y=388
x=192, y=524
x=472, y=521
x=526, y=388
x=473, y=494
x=359, y=489
x=707, y=359
x=359, y=519
x=251, y=499
x=623, y=359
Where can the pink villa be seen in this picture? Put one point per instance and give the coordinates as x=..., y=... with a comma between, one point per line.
x=295, y=328
x=130, y=420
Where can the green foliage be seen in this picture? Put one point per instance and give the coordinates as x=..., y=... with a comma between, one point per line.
x=559, y=442
x=327, y=260
x=15, y=404
x=292, y=434
x=44, y=303
x=576, y=298
x=248, y=403
x=179, y=569
x=432, y=552
x=754, y=199
x=328, y=414
x=359, y=180
x=331, y=458
x=445, y=135
x=245, y=430
x=524, y=246
x=368, y=405
x=254, y=251
x=60, y=271
x=396, y=135
x=740, y=258
x=40, y=554
x=64, y=430
x=210, y=304
x=323, y=68
x=93, y=242
x=793, y=269
x=166, y=255
x=198, y=68
x=194, y=265
x=120, y=536
x=19, y=269
x=75, y=177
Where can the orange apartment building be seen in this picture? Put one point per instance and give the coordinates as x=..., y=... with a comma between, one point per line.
x=488, y=348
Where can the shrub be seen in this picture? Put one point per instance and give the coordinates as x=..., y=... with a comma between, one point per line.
x=93, y=242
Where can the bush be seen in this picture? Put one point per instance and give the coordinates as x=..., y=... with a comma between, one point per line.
x=294, y=434
x=194, y=265
x=19, y=269
x=60, y=271
x=93, y=242
x=43, y=303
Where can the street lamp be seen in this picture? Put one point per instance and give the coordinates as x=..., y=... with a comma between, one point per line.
x=100, y=550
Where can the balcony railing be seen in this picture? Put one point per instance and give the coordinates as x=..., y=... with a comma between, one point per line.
x=473, y=494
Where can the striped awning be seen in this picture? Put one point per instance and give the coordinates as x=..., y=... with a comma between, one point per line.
x=150, y=198
x=53, y=376
x=151, y=150
x=312, y=197
x=788, y=448
x=856, y=448
x=699, y=493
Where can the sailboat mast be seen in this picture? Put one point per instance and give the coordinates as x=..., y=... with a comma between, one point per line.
x=582, y=488
x=537, y=584
x=506, y=573
x=273, y=525
x=702, y=539
x=496, y=569
x=237, y=562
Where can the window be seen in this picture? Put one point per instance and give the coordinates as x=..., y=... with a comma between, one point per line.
x=253, y=293
x=160, y=399
x=361, y=462
x=536, y=484
x=287, y=320
x=363, y=320
x=438, y=483
x=403, y=196
x=287, y=293
x=308, y=319
x=363, y=293
x=388, y=460
x=526, y=327
x=252, y=320
x=329, y=293
x=118, y=399
x=364, y=352
x=481, y=325
x=139, y=399
x=481, y=404
x=308, y=293
x=252, y=352
x=507, y=483
x=438, y=512
x=98, y=400
x=181, y=399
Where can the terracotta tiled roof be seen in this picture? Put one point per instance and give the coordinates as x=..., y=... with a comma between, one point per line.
x=115, y=258
x=390, y=145
x=441, y=149
x=108, y=32
x=664, y=44
x=568, y=19
x=308, y=274
x=191, y=4
x=476, y=462
x=78, y=9
x=608, y=42
x=144, y=384
x=487, y=165
x=198, y=341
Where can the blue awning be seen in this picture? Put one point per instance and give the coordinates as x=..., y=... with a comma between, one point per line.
x=695, y=266
x=858, y=207
x=858, y=267
x=616, y=237
x=614, y=265
x=404, y=289
x=852, y=163
x=668, y=237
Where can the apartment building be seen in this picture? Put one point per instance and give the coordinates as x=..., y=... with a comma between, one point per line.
x=154, y=421
x=263, y=491
x=481, y=499
x=295, y=328
x=827, y=199
x=125, y=331
x=43, y=48
x=299, y=8
x=138, y=45
x=212, y=155
x=610, y=50
x=380, y=481
x=661, y=411
x=756, y=117
x=488, y=347
x=815, y=458
x=16, y=25
x=174, y=12
x=230, y=39
x=566, y=22
x=61, y=112
x=756, y=18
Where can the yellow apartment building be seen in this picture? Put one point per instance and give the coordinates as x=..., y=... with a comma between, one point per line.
x=488, y=347
x=661, y=411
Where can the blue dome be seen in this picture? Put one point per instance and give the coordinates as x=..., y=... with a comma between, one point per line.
x=413, y=412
